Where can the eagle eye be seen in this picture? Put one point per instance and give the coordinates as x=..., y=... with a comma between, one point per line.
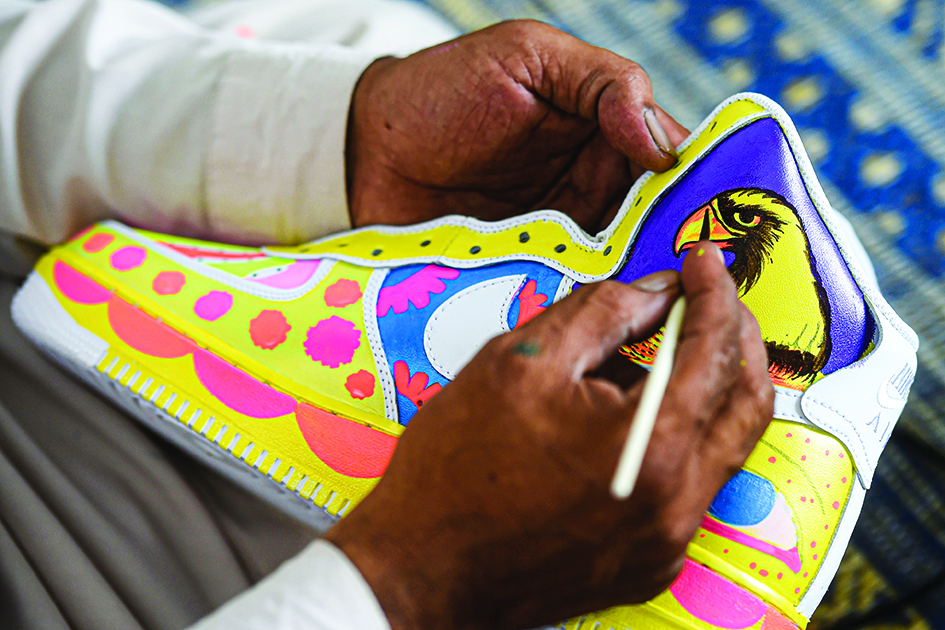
x=747, y=218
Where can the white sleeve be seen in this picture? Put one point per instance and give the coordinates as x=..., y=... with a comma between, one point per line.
x=125, y=108
x=318, y=589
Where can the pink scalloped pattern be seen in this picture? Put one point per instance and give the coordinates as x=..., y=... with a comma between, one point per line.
x=238, y=390
x=77, y=287
x=231, y=386
x=144, y=333
x=345, y=446
x=414, y=289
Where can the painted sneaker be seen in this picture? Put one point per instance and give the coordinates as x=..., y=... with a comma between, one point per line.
x=295, y=369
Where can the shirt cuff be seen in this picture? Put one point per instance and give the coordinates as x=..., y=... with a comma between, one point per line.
x=318, y=589
x=277, y=147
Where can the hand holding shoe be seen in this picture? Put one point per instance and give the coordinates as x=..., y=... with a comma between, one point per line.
x=516, y=117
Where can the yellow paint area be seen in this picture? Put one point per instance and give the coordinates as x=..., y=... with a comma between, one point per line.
x=814, y=473
x=546, y=238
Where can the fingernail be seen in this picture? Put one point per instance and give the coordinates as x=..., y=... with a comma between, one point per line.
x=659, y=135
x=656, y=282
x=715, y=251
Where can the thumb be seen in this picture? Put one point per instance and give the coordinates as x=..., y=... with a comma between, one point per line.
x=603, y=87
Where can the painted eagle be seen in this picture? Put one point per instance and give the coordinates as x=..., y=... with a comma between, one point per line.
x=770, y=261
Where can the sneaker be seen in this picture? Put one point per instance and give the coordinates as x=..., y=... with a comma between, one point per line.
x=295, y=369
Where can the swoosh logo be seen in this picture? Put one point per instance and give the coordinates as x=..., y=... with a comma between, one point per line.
x=462, y=325
x=894, y=390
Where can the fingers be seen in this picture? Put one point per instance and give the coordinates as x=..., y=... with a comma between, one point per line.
x=598, y=85
x=750, y=406
x=676, y=132
x=583, y=330
x=709, y=351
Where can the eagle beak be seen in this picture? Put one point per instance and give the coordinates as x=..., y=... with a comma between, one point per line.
x=701, y=225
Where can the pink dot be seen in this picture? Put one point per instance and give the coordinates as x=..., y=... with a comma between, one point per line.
x=807, y=441
x=826, y=452
x=815, y=556
x=342, y=293
x=763, y=573
x=97, y=242
x=803, y=458
x=168, y=283
x=128, y=258
x=836, y=506
x=780, y=575
x=805, y=572
x=789, y=481
x=803, y=499
x=361, y=385
x=840, y=455
x=701, y=535
x=269, y=329
x=789, y=435
x=828, y=485
x=844, y=480
x=332, y=342
x=813, y=543
x=725, y=551
x=213, y=305
x=826, y=527
x=752, y=565
x=772, y=459
x=797, y=590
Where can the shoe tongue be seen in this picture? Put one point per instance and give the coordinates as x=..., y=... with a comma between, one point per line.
x=756, y=161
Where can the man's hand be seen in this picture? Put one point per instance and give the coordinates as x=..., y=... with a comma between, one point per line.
x=516, y=117
x=495, y=511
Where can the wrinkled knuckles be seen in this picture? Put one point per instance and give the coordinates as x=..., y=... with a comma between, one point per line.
x=635, y=79
x=611, y=297
x=523, y=31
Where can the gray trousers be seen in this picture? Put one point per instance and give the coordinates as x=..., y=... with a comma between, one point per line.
x=102, y=524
